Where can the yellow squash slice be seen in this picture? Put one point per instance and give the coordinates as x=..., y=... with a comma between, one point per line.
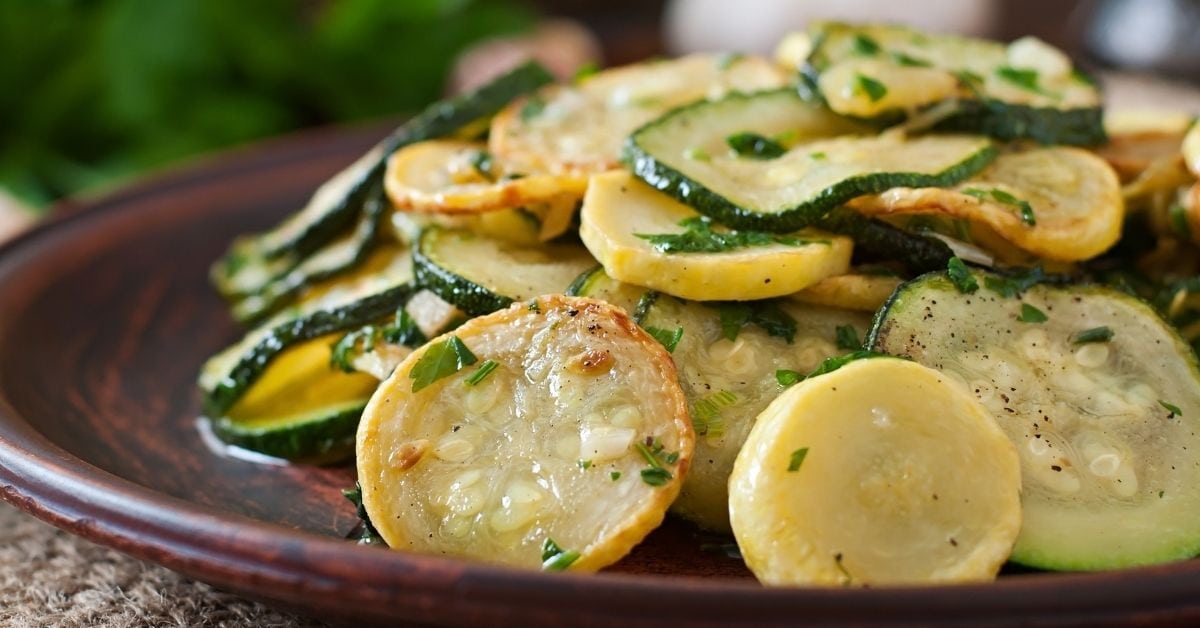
x=853, y=291
x=1138, y=138
x=453, y=177
x=580, y=128
x=1191, y=149
x=881, y=472
x=619, y=208
x=565, y=455
x=1058, y=203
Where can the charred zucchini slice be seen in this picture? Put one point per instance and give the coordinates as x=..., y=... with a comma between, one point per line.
x=579, y=128
x=649, y=239
x=548, y=435
x=727, y=355
x=1100, y=396
x=697, y=154
x=1026, y=89
x=881, y=472
x=479, y=274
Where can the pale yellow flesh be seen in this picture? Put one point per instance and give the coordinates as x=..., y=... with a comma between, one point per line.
x=1191, y=149
x=618, y=206
x=865, y=293
x=1075, y=196
x=907, y=480
x=1138, y=138
x=490, y=472
x=581, y=127
x=439, y=176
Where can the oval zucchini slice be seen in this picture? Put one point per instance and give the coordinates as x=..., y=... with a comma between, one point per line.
x=727, y=355
x=1191, y=149
x=1026, y=89
x=649, y=239
x=580, y=128
x=1101, y=399
x=1059, y=203
x=811, y=167
x=565, y=454
x=863, y=292
x=881, y=472
x=454, y=176
x=480, y=275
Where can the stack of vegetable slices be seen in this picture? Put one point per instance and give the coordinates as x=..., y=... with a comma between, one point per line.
x=562, y=309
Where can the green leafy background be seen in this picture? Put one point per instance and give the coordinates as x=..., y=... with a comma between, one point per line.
x=95, y=90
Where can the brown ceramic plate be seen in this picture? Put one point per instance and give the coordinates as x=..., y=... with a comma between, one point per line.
x=105, y=317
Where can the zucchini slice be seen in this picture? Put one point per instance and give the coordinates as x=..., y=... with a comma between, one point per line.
x=1137, y=138
x=1059, y=203
x=859, y=291
x=596, y=284
x=479, y=274
x=1191, y=149
x=564, y=453
x=727, y=355
x=687, y=154
x=881, y=472
x=378, y=348
x=1101, y=399
x=888, y=243
x=649, y=239
x=227, y=376
x=579, y=128
x=1026, y=89
x=455, y=176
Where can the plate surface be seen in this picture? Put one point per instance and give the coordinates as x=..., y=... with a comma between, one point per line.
x=105, y=318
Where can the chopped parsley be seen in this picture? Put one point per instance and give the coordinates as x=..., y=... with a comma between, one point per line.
x=555, y=558
x=905, y=60
x=960, y=276
x=1095, y=334
x=865, y=46
x=1172, y=408
x=754, y=146
x=656, y=476
x=706, y=413
x=482, y=162
x=797, y=459
x=532, y=108
x=817, y=156
x=668, y=339
x=367, y=535
x=1014, y=283
x=585, y=72
x=614, y=476
x=699, y=237
x=402, y=331
x=482, y=372
x=584, y=464
x=847, y=338
x=788, y=377
x=1025, y=79
x=1024, y=209
x=440, y=359
x=873, y=89
x=767, y=315
x=1030, y=314
x=969, y=79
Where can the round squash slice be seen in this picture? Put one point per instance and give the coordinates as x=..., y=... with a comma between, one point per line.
x=552, y=434
x=881, y=472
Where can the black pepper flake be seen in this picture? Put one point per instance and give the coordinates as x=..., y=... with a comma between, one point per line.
x=1055, y=467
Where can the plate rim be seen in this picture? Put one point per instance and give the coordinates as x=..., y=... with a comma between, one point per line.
x=307, y=571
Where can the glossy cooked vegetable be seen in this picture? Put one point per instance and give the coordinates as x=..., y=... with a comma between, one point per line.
x=564, y=454
x=859, y=291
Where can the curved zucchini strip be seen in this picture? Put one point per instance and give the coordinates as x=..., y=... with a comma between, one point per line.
x=1137, y=139
x=578, y=129
x=596, y=284
x=1191, y=149
x=1100, y=397
x=256, y=260
x=1026, y=89
x=649, y=239
x=881, y=472
x=918, y=252
x=479, y=274
x=857, y=291
x=1058, y=203
x=228, y=375
x=727, y=355
x=552, y=437
x=455, y=176
x=686, y=154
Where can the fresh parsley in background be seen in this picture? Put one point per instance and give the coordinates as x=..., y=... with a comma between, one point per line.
x=96, y=90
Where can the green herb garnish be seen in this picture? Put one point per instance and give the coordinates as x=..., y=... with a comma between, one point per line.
x=585, y=71
x=754, y=146
x=1025, y=79
x=1030, y=314
x=865, y=46
x=482, y=372
x=706, y=413
x=797, y=459
x=1000, y=196
x=817, y=155
x=873, y=89
x=440, y=360
x=788, y=377
x=668, y=339
x=969, y=79
x=656, y=476
x=584, y=464
x=1014, y=283
x=960, y=276
x=696, y=154
x=532, y=108
x=1172, y=408
x=905, y=60
x=368, y=535
x=402, y=331
x=767, y=315
x=699, y=237
x=847, y=338
x=1095, y=334
x=555, y=558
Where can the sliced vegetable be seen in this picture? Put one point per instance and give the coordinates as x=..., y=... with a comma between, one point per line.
x=859, y=291
x=823, y=167
x=579, y=128
x=1137, y=139
x=596, y=284
x=445, y=176
x=1027, y=89
x=917, y=251
x=1109, y=479
x=727, y=356
x=1191, y=149
x=649, y=239
x=1058, y=203
x=480, y=275
x=492, y=470
x=881, y=472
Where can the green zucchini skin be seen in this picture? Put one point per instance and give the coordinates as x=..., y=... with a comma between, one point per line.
x=920, y=253
x=463, y=293
x=238, y=379
x=323, y=435
x=1045, y=125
